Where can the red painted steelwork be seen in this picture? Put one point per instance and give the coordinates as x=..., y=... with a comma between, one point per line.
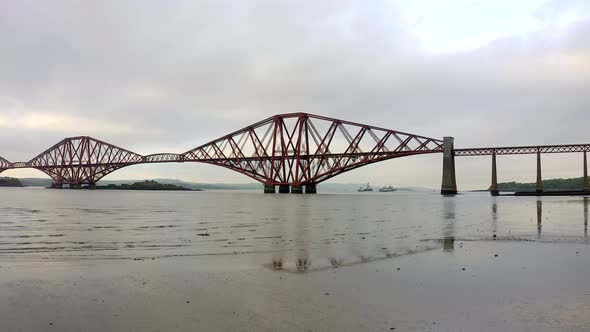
x=292, y=149
x=301, y=148
x=82, y=160
x=567, y=148
x=162, y=158
x=4, y=164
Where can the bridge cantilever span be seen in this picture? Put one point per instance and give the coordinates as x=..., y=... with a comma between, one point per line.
x=299, y=149
x=293, y=151
x=82, y=160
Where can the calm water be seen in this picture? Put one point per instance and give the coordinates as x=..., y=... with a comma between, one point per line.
x=305, y=231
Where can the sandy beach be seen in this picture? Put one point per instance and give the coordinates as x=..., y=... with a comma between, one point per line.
x=266, y=165
x=479, y=286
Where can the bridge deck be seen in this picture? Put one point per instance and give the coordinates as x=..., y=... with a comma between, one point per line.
x=285, y=149
x=568, y=148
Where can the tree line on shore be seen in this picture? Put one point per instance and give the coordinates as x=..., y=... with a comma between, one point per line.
x=143, y=185
x=10, y=182
x=564, y=184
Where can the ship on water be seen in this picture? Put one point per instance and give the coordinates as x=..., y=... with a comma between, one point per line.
x=367, y=188
x=387, y=189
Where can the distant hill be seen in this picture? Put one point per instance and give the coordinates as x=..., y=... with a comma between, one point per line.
x=34, y=182
x=146, y=185
x=551, y=184
x=211, y=186
x=325, y=187
x=10, y=182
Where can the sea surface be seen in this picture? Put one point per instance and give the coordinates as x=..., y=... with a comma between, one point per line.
x=289, y=232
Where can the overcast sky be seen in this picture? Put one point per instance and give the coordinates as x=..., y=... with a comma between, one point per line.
x=156, y=76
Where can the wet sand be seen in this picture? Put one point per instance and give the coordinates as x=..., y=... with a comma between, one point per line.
x=528, y=286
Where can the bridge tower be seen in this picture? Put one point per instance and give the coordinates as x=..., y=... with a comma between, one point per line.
x=449, y=181
x=539, y=185
x=494, y=190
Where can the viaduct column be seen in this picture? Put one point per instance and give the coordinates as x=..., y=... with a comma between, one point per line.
x=586, y=184
x=494, y=188
x=449, y=182
x=539, y=178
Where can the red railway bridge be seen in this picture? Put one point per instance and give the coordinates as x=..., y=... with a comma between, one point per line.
x=294, y=151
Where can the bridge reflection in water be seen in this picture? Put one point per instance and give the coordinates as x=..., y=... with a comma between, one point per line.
x=585, y=216
x=449, y=207
x=296, y=256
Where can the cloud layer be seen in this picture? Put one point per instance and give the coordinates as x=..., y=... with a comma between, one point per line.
x=169, y=75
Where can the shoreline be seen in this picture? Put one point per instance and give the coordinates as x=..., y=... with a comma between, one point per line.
x=483, y=286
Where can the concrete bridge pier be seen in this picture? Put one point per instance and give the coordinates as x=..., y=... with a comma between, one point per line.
x=539, y=177
x=449, y=182
x=284, y=189
x=494, y=190
x=296, y=189
x=586, y=182
x=270, y=189
x=57, y=185
x=311, y=189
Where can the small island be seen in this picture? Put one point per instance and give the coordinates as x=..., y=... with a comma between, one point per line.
x=10, y=182
x=146, y=185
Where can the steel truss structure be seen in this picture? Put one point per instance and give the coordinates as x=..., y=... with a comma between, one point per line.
x=286, y=149
x=300, y=148
x=4, y=164
x=82, y=160
x=568, y=148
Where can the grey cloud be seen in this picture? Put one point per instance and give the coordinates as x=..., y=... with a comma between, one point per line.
x=185, y=72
